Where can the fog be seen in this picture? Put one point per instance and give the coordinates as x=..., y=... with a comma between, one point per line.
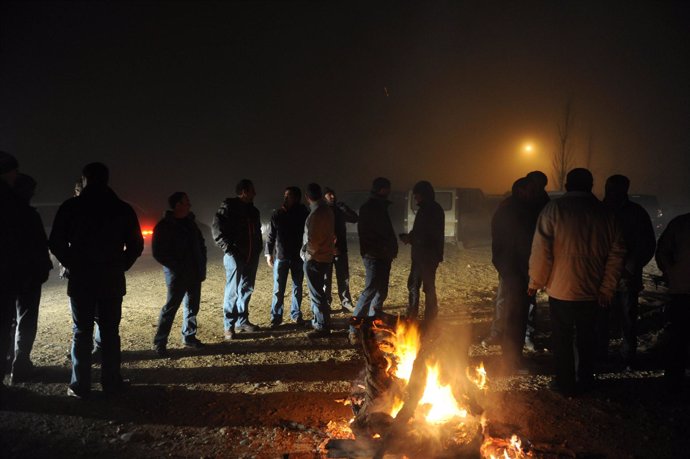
x=195, y=96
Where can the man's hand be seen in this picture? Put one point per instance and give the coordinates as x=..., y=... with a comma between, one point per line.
x=531, y=291
x=604, y=300
x=269, y=260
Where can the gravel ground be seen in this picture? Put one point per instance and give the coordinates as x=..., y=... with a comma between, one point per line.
x=278, y=394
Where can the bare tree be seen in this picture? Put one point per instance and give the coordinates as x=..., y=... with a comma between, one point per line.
x=563, y=157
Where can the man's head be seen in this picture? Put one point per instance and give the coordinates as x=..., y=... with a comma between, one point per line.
x=381, y=186
x=524, y=189
x=314, y=192
x=8, y=168
x=25, y=187
x=95, y=174
x=617, y=186
x=180, y=204
x=329, y=195
x=539, y=178
x=293, y=196
x=78, y=187
x=579, y=179
x=245, y=190
x=423, y=191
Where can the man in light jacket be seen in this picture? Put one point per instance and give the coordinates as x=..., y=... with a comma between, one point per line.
x=317, y=252
x=577, y=255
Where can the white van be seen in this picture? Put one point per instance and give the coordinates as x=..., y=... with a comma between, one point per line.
x=467, y=218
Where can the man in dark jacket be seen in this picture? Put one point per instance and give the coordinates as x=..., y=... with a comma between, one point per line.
x=343, y=214
x=427, y=240
x=34, y=266
x=97, y=237
x=179, y=246
x=283, y=245
x=378, y=246
x=640, y=242
x=11, y=224
x=237, y=231
x=512, y=230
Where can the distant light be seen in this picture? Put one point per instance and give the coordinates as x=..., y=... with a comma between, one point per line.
x=529, y=148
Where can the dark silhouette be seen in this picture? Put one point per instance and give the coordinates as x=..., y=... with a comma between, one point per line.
x=540, y=200
x=673, y=259
x=640, y=242
x=317, y=253
x=283, y=245
x=512, y=230
x=237, y=231
x=178, y=245
x=378, y=247
x=34, y=265
x=343, y=214
x=577, y=255
x=97, y=237
x=427, y=243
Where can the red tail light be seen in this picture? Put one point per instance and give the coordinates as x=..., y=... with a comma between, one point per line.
x=146, y=233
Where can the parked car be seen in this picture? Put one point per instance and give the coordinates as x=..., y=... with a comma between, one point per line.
x=468, y=216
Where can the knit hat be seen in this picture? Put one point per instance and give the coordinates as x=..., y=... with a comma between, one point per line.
x=7, y=162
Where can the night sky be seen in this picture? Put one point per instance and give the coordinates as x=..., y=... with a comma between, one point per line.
x=195, y=96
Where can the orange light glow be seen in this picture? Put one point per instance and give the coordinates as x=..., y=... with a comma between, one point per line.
x=146, y=233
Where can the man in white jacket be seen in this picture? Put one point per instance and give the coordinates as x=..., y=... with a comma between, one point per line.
x=577, y=255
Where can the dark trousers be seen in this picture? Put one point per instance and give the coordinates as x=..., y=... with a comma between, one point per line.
x=574, y=341
x=85, y=308
x=7, y=308
x=422, y=275
x=280, y=275
x=621, y=315
x=678, y=321
x=375, y=291
x=342, y=276
x=316, y=280
x=26, y=320
x=516, y=304
x=179, y=291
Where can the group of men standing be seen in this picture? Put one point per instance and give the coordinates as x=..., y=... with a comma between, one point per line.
x=312, y=242
x=588, y=255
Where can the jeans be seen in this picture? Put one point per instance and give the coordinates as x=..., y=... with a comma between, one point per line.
x=342, y=276
x=422, y=275
x=531, y=328
x=85, y=308
x=574, y=341
x=622, y=314
x=25, y=334
x=676, y=355
x=498, y=323
x=316, y=281
x=375, y=291
x=239, y=286
x=178, y=291
x=280, y=274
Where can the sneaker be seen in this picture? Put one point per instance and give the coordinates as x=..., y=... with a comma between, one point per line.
x=161, y=350
x=274, y=326
x=193, y=342
x=76, y=393
x=299, y=322
x=322, y=333
x=353, y=338
x=229, y=335
x=247, y=327
x=529, y=346
x=491, y=340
